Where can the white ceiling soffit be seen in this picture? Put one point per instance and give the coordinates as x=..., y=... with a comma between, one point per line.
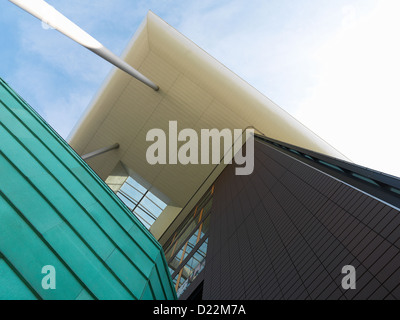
x=196, y=90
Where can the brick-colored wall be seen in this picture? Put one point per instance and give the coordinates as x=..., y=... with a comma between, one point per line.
x=287, y=230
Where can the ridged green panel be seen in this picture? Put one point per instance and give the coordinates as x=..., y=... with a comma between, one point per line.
x=54, y=210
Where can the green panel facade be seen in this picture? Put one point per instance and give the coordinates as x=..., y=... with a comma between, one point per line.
x=55, y=211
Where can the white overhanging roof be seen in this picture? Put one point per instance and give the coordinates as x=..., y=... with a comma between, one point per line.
x=196, y=90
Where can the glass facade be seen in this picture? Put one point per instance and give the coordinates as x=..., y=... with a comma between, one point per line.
x=145, y=205
x=186, y=251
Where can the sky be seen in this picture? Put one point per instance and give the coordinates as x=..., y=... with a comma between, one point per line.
x=332, y=64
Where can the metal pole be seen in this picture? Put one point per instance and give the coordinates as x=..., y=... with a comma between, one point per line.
x=99, y=152
x=49, y=15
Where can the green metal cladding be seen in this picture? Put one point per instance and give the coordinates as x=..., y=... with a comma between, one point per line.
x=55, y=211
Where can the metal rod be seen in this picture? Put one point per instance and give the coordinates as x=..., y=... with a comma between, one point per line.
x=144, y=195
x=100, y=151
x=49, y=15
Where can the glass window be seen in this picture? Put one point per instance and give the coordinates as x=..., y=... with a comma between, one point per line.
x=331, y=166
x=145, y=205
x=201, y=211
x=192, y=269
x=183, y=260
x=294, y=151
x=309, y=157
x=364, y=178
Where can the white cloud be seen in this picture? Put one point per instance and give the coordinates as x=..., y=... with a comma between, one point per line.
x=356, y=105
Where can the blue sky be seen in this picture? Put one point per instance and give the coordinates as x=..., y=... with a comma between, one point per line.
x=333, y=64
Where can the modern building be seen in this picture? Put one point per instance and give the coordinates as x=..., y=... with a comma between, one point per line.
x=284, y=232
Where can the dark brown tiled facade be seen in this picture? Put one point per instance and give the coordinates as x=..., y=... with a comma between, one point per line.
x=287, y=230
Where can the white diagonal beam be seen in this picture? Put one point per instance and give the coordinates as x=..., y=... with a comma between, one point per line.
x=49, y=15
x=100, y=151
